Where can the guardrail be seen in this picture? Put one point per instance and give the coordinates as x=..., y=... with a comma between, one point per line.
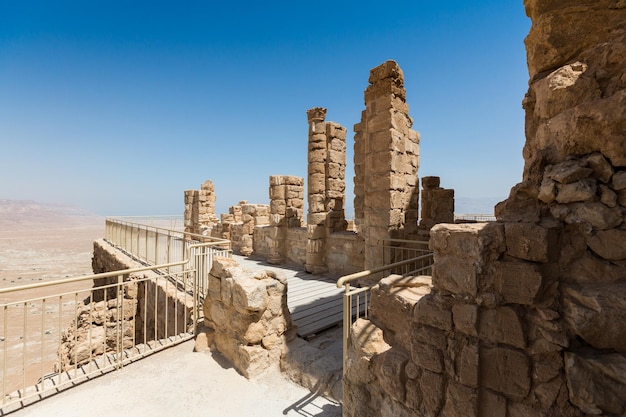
x=61, y=332
x=398, y=250
x=356, y=300
x=474, y=218
x=168, y=221
x=155, y=245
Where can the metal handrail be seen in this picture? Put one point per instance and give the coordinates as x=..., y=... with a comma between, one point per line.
x=198, y=252
x=349, y=293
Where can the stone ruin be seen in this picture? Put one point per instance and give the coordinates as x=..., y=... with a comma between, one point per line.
x=386, y=158
x=525, y=316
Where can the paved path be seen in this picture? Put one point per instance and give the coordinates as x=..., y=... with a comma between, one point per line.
x=180, y=382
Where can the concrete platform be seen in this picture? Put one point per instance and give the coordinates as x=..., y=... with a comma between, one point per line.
x=180, y=382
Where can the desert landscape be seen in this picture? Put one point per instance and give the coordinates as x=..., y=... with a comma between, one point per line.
x=40, y=243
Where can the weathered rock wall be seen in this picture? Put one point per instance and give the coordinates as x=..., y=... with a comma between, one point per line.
x=141, y=304
x=248, y=316
x=525, y=316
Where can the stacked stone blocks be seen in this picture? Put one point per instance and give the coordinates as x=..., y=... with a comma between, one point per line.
x=386, y=160
x=247, y=316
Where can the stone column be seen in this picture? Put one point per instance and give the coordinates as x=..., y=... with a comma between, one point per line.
x=200, y=209
x=286, y=210
x=386, y=159
x=326, y=186
x=316, y=218
x=437, y=205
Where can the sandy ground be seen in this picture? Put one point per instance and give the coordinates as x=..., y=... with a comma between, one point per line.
x=180, y=382
x=40, y=244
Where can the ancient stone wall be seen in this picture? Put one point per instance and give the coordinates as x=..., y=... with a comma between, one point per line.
x=437, y=205
x=286, y=211
x=142, y=304
x=200, y=209
x=248, y=316
x=344, y=253
x=525, y=316
x=326, y=186
x=386, y=159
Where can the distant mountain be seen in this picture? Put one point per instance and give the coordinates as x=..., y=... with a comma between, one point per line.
x=476, y=205
x=22, y=212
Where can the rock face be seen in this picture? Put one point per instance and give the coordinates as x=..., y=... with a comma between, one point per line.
x=248, y=316
x=525, y=316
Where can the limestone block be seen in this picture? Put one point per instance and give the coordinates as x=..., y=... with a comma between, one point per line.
x=608, y=244
x=619, y=181
x=465, y=317
x=517, y=282
x=389, y=368
x=547, y=367
x=225, y=267
x=475, y=241
x=432, y=387
x=255, y=332
x=456, y=275
x=501, y=325
x=467, y=364
x=392, y=303
x=568, y=172
x=582, y=190
x=367, y=341
x=608, y=197
x=602, y=170
x=461, y=401
x=251, y=361
x=597, y=382
x=506, y=371
x=433, y=311
x=427, y=357
x=530, y=242
x=595, y=214
x=596, y=314
x=249, y=294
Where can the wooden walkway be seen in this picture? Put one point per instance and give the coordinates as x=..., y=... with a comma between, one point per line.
x=314, y=301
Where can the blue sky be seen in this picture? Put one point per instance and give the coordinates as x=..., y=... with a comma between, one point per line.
x=118, y=107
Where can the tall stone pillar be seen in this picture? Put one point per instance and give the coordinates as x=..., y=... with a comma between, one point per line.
x=286, y=210
x=386, y=159
x=200, y=209
x=437, y=205
x=326, y=185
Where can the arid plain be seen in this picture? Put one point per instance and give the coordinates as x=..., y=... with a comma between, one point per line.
x=40, y=243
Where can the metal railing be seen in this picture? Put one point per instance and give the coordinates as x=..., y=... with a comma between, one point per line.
x=474, y=218
x=61, y=332
x=356, y=300
x=171, y=222
x=155, y=245
x=398, y=250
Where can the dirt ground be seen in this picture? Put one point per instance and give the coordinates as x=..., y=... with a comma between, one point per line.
x=40, y=244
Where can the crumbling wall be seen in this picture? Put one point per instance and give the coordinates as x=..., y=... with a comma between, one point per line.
x=326, y=186
x=142, y=305
x=247, y=316
x=437, y=205
x=199, y=215
x=386, y=160
x=525, y=316
x=286, y=212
